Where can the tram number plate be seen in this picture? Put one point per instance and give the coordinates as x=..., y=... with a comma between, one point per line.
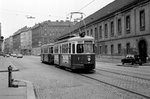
x=87, y=42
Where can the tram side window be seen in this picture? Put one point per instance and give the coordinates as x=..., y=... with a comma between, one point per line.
x=51, y=49
x=93, y=48
x=56, y=49
x=73, y=48
x=69, y=47
x=41, y=50
x=60, y=49
x=65, y=48
x=80, y=48
x=45, y=50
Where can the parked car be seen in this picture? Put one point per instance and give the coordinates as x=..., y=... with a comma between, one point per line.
x=19, y=56
x=2, y=54
x=7, y=55
x=13, y=55
x=132, y=59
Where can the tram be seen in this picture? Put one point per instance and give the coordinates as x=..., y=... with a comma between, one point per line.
x=47, y=53
x=75, y=52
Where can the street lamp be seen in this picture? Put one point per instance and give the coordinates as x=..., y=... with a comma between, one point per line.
x=1, y=41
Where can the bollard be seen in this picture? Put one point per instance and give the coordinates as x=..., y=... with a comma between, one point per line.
x=10, y=80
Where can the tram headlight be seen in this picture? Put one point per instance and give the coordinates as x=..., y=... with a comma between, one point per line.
x=89, y=58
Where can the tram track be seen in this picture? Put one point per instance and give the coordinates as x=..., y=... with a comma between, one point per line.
x=124, y=74
x=118, y=86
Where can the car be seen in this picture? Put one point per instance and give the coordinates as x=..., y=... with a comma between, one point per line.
x=19, y=56
x=132, y=59
x=7, y=55
x=2, y=54
x=13, y=55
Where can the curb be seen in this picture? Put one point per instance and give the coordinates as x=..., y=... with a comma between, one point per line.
x=30, y=89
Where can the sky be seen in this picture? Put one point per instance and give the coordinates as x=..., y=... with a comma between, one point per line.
x=14, y=14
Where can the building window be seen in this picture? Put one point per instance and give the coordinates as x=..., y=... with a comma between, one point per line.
x=128, y=24
x=88, y=33
x=106, y=31
x=96, y=34
x=119, y=49
x=112, y=49
x=105, y=49
x=119, y=27
x=112, y=28
x=100, y=49
x=128, y=48
x=100, y=32
x=92, y=32
x=142, y=20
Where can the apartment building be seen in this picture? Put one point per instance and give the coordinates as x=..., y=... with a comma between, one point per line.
x=46, y=32
x=17, y=40
x=26, y=41
x=8, y=45
x=1, y=40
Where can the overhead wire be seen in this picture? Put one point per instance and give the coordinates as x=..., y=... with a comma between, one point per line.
x=24, y=13
x=84, y=14
x=86, y=5
x=28, y=14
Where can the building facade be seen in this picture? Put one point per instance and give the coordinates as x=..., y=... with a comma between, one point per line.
x=17, y=40
x=126, y=31
x=26, y=41
x=1, y=40
x=16, y=43
x=46, y=32
x=8, y=45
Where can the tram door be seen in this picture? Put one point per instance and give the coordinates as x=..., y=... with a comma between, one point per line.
x=143, y=50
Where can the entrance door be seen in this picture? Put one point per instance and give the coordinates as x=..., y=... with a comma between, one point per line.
x=142, y=50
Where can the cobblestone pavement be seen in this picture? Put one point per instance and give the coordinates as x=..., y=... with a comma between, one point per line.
x=54, y=83
x=136, y=85
x=134, y=70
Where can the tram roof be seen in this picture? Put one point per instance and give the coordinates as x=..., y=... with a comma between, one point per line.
x=76, y=38
x=81, y=38
x=50, y=44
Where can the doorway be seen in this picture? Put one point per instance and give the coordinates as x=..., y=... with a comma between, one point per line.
x=142, y=46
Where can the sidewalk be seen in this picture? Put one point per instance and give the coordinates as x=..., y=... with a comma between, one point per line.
x=23, y=91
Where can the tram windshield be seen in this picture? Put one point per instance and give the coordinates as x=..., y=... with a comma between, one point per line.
x=85, y=48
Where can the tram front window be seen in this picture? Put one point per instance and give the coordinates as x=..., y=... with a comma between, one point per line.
x=80, y=48
x=85, y=48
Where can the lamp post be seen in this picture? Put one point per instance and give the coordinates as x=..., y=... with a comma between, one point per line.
x=1, y=41
x=39, y=44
